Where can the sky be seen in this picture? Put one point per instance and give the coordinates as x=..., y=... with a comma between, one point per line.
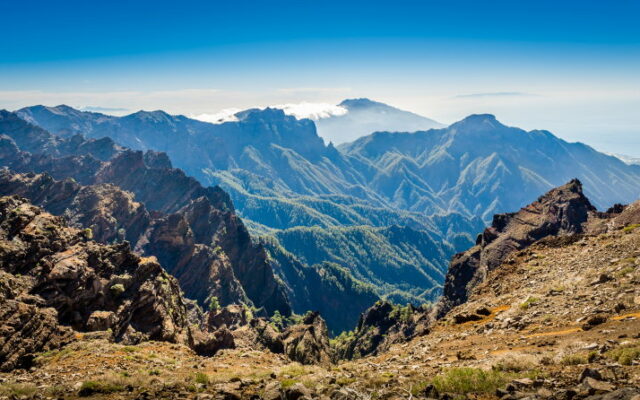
x=571, y=67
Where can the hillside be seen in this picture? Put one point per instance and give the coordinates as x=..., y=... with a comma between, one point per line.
x=398, y=261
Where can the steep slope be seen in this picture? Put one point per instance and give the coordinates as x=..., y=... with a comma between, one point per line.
x=402, y=263
x=362, y=117
x=326, y=287
x=562, y=211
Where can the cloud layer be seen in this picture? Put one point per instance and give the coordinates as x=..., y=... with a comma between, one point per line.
x=314, y=111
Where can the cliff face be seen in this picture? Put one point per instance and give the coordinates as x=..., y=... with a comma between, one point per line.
x=55, y=281
x=192, y=230
x=562, y=211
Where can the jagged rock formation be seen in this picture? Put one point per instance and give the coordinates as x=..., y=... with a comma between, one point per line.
x=113, y=215
x=54, y=277
x=27, y=327
x=562, y=211
x=381, y=326
x=306, y=342
x=193, y=231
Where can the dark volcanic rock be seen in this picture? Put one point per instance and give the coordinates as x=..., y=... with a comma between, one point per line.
x=306, y=342
x=562, y=211
x=26, y=328
x=54, y=279
x=382, y=325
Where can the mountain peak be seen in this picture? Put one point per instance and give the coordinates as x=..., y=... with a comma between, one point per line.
x=478, y=122
x=362, y=102
x=64, y=107
x=261, y=114
x=157, y=115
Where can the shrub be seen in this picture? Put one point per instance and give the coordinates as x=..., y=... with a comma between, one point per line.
x=626, y=270
x=625, y=355
x=513, y=365
x=17, y=390
x=630, y=228
x=531, y=301
x=214, y=304
x=117, y=289
x=470, y=380
x=288, y=382
x=202, y=378
x=89, y=388
x=575, y=359
x=294, y=370
x=129, y=349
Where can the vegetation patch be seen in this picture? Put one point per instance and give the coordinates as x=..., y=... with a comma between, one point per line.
x=470, y=380
x=202, y=378
x=630, y=228
x=531, y=301
x=626, y=270
x=294, y=370
x=89, y=388
x=17, y=390
x=625, y=355
x=288, y=382
x=579, y=358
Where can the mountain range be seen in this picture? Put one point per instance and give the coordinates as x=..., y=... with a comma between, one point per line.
x=390, y=207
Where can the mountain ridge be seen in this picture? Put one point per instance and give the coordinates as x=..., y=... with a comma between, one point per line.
x=281, y=176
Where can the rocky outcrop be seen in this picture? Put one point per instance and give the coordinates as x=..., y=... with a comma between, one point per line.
x=562, y=211
x=26, y=325
x=125, y=195
x=55, y=279
x=380, y=326
x=306, y=342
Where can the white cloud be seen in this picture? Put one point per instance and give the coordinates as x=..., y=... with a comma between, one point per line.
x=226, y=115
x=313, y=111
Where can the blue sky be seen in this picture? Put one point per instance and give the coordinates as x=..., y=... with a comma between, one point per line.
x=570, y=67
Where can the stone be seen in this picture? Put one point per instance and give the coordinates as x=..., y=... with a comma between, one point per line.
x=590, y=373
x=594, y=321
x=101, y=320
x=297, y=391
x=594, y=386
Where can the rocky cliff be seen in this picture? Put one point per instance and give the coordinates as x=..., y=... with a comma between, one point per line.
x=560, y=212
x=56, y=280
